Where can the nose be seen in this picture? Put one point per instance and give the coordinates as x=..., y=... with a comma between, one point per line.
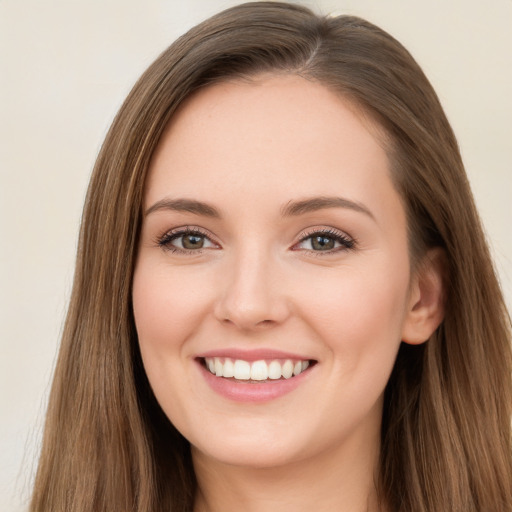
x=252, y=296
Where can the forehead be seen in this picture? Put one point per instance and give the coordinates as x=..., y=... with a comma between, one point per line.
x=281, y=134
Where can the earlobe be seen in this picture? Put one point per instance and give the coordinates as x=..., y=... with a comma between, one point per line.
x=425, y=310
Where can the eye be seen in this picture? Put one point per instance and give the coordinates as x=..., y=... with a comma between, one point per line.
x=325, y=241
x=186, y=240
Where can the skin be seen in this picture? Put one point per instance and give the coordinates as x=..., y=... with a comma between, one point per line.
x=249, y=149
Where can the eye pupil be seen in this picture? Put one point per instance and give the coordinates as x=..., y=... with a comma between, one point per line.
x=322, y=243
x=193, y=241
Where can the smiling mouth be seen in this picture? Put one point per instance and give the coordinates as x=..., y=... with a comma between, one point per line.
x=255, y=371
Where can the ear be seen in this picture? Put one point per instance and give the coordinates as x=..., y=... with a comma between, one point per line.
x=425, y=309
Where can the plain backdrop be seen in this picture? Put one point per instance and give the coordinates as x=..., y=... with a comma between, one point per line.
x=65, y=68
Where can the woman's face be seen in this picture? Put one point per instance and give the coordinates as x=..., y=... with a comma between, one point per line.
x=273, y=243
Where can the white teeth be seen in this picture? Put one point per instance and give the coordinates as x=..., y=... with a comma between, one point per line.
x=229, y=368
x=274, y=370
x=257, y=370
x=287, y=369
x=242, y=370
x=218, y=368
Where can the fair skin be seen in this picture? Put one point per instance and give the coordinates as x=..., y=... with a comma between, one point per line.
x=239, y=258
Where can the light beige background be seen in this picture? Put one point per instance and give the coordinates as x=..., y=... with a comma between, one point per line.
x=65, y=68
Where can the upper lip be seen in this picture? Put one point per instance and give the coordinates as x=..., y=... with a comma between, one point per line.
x=253, y=355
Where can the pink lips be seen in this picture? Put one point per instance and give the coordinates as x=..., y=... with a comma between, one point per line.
x=252, y=355
x=251, y=391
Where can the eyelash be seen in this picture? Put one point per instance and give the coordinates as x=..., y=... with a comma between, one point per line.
x=165, y=240
x=346, y=242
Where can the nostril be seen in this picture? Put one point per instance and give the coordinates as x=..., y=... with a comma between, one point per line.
x=265, y=322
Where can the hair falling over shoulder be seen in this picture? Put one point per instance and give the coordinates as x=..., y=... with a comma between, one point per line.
x=446, y=431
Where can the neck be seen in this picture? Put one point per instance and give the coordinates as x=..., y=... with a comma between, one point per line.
x=344, y=482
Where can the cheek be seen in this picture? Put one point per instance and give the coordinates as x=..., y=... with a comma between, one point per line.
x=360, y=325
x=359, y=314
x=166, y=303
x=168, y=307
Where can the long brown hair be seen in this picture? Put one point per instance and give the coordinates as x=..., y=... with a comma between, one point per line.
x=446, y=432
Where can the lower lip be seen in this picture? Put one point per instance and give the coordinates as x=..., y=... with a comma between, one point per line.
x=241, y=391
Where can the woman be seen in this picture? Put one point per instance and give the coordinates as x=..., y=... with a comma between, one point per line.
x=283, y=296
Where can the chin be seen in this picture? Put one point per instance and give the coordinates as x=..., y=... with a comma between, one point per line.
x=265, y=448
x=248, y=456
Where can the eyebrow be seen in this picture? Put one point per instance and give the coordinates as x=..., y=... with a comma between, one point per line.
x=291, y=209
x=184, y=205
x=294, y=208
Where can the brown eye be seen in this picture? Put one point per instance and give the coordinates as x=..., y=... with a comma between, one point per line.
x=322, y=243
x=186, y=241
x=327, y=242
x=192, y=241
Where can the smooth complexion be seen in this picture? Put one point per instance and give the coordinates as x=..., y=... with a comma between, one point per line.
x=271, y=224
